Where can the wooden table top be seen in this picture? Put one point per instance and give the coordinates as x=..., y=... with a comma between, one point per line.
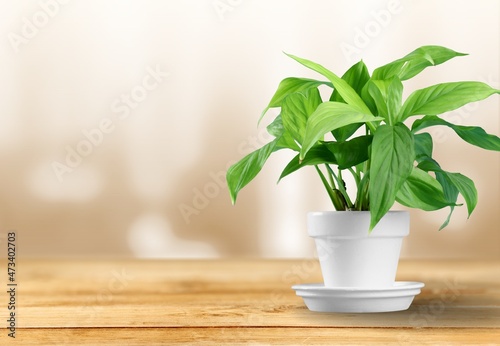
x=212, y=302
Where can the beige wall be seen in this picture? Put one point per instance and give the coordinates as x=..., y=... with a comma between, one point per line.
x=215, y=71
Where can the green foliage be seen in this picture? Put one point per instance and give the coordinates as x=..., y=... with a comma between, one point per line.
x=367, y=118
x=392, y=159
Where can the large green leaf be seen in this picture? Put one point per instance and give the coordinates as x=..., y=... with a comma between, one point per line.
x=428, y=164
x=423, y=146
x=276, y=128
x=387, y=95
x=285, y=139
x=392, y=159
x=415, y=62
x=344, y=89
x=356, y=76
x=450, y=191
x=317, y=155
x=378, y=96
x=368, y=99
x=289, y=86
x=444, y=97
x=422, y=191
x=345, y=132
x=471, y=134
x=462, y=183
x=450, y=194
x=242, y=172
x=296, y=109
x=350, y=153
x=328, y=117
x=466, y=188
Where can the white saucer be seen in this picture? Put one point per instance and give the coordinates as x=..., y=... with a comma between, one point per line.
x=358, y=299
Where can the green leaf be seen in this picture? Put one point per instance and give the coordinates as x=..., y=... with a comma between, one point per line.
x=356, y=76
x=350, y=153
x=318, y=155
x=387, y=95
x=467, y=189
x=450, y=194
x=344, y=89
x=447, y=221
x=425, y=194
x=392, y=159
x=428, y=164
x=368, y=99
x=471, y=134
x=289, y=86
x=276, y=128
x=285, y=140
x=345, y=132
x=415, y=62
x=444, y=97
x=462, y=183
x=378, y=96
x=242, y=172
x=296, y=109
x=423, y=146
x=449, y=189
x=422, y=191
x=328, y=117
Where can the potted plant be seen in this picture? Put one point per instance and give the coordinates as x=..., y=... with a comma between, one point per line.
x=367, y=130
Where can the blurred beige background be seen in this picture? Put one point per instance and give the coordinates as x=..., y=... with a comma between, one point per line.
x=118, y=120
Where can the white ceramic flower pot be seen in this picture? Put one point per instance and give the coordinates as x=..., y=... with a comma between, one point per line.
x=349, y=255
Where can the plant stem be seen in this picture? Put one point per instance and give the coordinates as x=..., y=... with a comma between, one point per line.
x=362, y=195
x=355, y=175
x=338, y=204
x=371, y=127
x=330, y=176
x=366, y=200
x=340, y=184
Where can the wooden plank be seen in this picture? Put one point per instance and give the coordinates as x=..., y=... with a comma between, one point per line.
x=207, y=276
x=239, y=312
x=257, y=336
x=229, y=293
x=476, y=270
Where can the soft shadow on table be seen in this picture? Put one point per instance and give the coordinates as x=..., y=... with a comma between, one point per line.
x=421, y=314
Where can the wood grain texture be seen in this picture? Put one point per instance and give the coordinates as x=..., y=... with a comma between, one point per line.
x=260, y=336
x=137, y=302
